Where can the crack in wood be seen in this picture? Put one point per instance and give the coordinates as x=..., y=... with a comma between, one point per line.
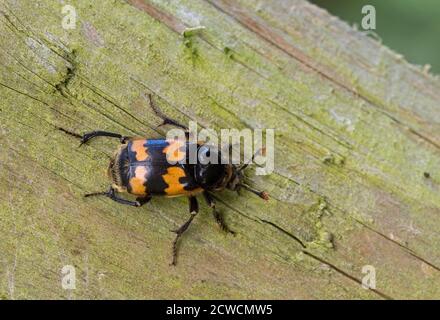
x=24, y=94
x=405, y=248
x=291, y=235
x=345, y=274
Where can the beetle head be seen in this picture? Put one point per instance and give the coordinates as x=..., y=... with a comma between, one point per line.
x=210, y=171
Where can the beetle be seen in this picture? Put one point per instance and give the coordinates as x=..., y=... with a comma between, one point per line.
x=141, y=167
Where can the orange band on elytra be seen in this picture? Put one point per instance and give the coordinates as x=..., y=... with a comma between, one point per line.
x=138, y=147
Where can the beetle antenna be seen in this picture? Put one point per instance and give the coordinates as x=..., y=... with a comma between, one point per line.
x=262, y=194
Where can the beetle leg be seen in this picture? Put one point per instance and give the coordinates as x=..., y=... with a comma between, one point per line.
x=73, y=134
x=194, y=209
x=90, y=135
x=112, y=195
x=217, y=215
x=165, y=119
x=143, y=200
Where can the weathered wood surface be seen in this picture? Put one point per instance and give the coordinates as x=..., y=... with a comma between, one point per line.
x=357, y=128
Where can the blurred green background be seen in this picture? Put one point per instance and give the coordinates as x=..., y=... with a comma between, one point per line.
x=410, y=27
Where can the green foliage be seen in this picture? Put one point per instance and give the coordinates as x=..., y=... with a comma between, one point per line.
x=411, y=27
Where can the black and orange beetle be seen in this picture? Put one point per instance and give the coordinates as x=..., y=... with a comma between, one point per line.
x=141, y=168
